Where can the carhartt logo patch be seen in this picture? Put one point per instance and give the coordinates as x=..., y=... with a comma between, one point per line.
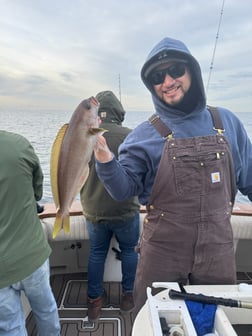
x=215, y=177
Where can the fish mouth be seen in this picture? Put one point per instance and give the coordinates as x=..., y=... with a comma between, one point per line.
x=87, y=103
x=94, y=101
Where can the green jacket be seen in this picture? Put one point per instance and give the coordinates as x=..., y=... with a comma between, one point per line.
x=23, y=246
x=97, y=204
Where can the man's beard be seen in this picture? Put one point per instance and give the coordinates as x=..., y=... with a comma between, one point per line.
x=189, y=101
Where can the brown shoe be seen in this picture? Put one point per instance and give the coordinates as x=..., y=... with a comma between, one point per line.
x=127, y=302
x=94, y=307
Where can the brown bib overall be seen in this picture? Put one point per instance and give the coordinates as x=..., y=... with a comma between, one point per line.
x=187, y=235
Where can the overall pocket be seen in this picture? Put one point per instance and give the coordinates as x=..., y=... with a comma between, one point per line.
x=198, y=174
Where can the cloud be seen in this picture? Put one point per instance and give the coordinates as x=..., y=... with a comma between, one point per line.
x=58, y=52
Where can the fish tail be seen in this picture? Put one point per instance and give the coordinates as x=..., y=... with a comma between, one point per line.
x=66, y=224
x=57, y=225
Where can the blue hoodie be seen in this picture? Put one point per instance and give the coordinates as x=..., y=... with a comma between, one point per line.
x=139, y=155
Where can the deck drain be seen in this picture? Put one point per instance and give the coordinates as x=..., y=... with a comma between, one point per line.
x=88, y=325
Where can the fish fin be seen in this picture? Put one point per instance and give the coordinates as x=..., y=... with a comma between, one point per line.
x=96, y=130
x=57, y=225
x=55, y=155
x=66, y=224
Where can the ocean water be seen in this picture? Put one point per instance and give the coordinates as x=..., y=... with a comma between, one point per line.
x=41, y=127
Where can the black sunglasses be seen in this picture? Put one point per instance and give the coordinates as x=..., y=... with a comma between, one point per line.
x=175, y=70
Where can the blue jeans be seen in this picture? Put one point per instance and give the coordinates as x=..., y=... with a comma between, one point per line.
x=39, y=293
x=100, y=234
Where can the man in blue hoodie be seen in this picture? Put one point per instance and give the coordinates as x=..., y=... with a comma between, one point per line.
x=185, y=164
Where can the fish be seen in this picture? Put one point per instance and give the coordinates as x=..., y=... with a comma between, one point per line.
x=70, y=154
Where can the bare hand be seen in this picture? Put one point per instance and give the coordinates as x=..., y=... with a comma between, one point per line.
x=101, y=150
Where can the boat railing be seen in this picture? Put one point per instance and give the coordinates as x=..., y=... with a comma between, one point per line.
x=241, y=221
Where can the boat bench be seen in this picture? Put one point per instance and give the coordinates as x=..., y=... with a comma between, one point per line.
x=75, y=245
x=242, y=228
x=70, y=251
x=78, y=229
x=241, y=221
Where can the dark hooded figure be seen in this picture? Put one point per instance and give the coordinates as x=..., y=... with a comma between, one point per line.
x=106, y=217
x=185, y=164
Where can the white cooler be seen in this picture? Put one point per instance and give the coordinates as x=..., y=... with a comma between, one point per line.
x=177, y=317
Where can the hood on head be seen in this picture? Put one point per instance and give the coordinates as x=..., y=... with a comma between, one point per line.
x=110, y=109
x=162, y=58
x=169, y=49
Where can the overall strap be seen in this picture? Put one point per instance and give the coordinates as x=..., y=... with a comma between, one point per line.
x=167, y=133
x=215, y=114
x=162, y=129
x=218, y=126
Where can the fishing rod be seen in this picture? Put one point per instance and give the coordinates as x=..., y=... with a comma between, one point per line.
x=176, y=295
x=215, y=45
x=119, y=85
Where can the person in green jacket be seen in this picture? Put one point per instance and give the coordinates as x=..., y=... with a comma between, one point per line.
x=24, y=250
x=106, y=216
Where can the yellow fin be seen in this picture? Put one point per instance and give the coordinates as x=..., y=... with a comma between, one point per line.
x=57, y=226
x=55, y=154
x=66, y=224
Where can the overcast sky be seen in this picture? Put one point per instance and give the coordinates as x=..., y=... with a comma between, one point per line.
x=54, y=53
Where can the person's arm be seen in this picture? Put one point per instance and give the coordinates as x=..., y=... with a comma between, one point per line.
x=38, y=181
x=242, y=152
x=37, y=174
x=113, y=175
x=106, y=167
x=138, y=159
x=245, y=176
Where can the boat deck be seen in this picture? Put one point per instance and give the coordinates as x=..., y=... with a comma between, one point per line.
x=70, y=288
x=70, y=291
x=71, y=295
